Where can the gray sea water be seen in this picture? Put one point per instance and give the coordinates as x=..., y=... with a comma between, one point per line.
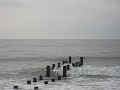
x=21, y=60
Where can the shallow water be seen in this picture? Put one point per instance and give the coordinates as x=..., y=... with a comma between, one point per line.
x=22, y=60
x=88, y=77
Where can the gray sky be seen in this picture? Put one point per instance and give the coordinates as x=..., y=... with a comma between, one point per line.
x=60, y=19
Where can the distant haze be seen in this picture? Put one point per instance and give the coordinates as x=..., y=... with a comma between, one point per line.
x=59, y=19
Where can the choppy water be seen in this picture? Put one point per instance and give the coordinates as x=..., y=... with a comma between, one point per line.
x=21, y=60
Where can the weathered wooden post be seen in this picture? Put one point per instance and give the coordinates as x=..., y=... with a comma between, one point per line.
x=73, y=64
x=28, y=82
x=63, y=62
x=66, y=61
x=35, y=88
x=59, y=77
x=47, y=71
x=76, y=64
x=40, y=78
x=58, y=65
x=64, y=71
x=15, y=87
x=53, y=66
x=79, y=64
x=34, y=80
x=45, y=82
x=81, y=60
x=53, y=80
x=68, y=67
x=70, y=60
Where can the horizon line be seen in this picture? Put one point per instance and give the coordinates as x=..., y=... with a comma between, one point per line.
x=52, y=39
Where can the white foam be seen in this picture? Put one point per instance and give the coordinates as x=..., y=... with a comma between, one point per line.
x=76, y=83
x=92, y=70
x=52, y=86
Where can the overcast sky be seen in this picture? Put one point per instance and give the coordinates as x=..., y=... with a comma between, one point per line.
x=60, y=19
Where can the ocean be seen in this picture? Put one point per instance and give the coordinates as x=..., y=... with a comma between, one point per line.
x=24, y=59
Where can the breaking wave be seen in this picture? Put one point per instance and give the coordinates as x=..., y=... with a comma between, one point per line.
x=92, y=70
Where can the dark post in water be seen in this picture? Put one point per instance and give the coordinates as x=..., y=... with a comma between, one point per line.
x=15, y=87
x=53, y=66
x=66, y=61
x=45, y=82
x=58, y=65
x=81, y=60
x=53, y=80
x=59, y=77
x=69, y=59
x=40, y=78
x=68, y=67
x=35, y=88
x=29, y=82
x=77, y=64
x=47, y=71
x=73, y=64
x=64, y=71
x=34, y=79
x=63, y=62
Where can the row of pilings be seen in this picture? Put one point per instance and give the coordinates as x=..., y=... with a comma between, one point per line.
x=65, y=65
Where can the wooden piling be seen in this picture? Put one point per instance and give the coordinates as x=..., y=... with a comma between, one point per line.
x=35, y=88
x=81, y=60
x=15, y=87
x=53, y=66
x=63, y=62
x=68, y=67
x=59, y=77
x=66, y=61
x=28, y=82
x=53, y=80
x=70, y=60
x=34, y=80
x=58, y=65
x=64, y=71
x=47, y=71
x=77, y=64
x=73, y=64
x=40, y=77
x=45, y=82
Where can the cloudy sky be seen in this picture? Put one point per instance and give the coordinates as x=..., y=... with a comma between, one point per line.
x=60, y=19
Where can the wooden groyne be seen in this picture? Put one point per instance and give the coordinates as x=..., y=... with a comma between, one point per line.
x=65, y=65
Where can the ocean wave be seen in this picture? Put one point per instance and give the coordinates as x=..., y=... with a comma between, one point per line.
x=92, y=70
x=75, y=80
